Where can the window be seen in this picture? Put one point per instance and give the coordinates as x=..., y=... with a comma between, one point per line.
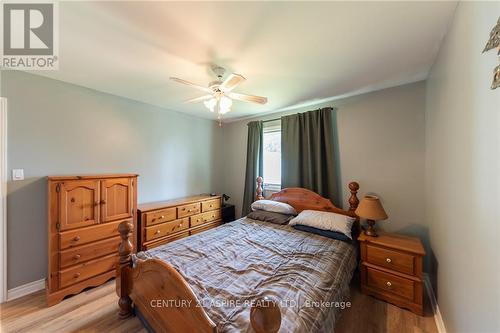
x=272, y=154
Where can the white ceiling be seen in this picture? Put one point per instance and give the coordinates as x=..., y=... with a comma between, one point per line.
x=291, y=52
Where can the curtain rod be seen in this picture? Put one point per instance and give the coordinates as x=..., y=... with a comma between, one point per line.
x=266, y=121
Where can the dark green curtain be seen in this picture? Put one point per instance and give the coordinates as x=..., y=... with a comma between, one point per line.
x=308, y=152
x=255, y=149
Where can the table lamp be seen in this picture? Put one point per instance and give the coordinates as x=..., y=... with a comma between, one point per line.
x=371, y=209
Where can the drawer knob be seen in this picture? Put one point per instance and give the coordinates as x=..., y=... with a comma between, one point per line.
x=76, y=257
x=157, y=232
x=211, y=206
x=76, y=238
x=389, y=260
x=180, y=225
x=389, y=284
x=76, y=276
x=189, y=210
x=162, y=217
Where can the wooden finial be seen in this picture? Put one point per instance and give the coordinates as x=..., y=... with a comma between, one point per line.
x=122, y=272
x=353, y=199
x=125, y=249
x=265, y=316
x=258, y=192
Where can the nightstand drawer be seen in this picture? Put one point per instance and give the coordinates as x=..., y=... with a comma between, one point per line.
x=399, y=286
x=397, y=261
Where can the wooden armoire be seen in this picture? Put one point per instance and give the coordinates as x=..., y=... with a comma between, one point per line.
x=83, y=215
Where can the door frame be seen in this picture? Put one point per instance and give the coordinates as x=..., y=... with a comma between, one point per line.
x=3, y=199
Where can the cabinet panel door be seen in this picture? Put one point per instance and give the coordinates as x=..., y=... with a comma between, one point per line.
x=79, y=201
x=116, y=199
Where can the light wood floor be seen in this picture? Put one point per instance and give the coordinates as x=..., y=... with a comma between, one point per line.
x=95, y=310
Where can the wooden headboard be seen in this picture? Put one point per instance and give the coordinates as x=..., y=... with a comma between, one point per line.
x=304, y=199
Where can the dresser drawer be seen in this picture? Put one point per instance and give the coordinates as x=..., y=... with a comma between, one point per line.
x=188, y=210
x=160, y=216
x=90, y=234
x=397, y=261
x=87, y=270
x=167, y=228
x=205, y=227
x=400, y=286
x=150, y=245
x=87, y=252
x=210, y=205
x=204, y=218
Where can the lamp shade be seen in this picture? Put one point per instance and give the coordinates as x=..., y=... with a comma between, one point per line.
x=371, y=208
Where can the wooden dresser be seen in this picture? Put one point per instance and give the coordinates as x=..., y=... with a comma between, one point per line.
x=83, y=215
x=163, y=222
x=391, y=269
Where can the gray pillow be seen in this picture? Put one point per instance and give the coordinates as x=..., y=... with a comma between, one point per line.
x=272, y=217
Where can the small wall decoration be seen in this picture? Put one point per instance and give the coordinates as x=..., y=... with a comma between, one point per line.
x=492, y=43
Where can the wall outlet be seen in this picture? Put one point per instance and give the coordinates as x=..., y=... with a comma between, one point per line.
x=17, y=174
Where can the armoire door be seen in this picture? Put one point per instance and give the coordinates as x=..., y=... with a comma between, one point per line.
x=79, y=203
x=116, y=199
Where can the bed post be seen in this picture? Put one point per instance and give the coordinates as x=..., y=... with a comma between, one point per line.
x=123, y=269
x=258, y=192
x=353, y=204
x=353, y=199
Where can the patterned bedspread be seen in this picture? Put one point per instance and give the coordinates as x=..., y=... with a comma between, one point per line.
x=230, y=266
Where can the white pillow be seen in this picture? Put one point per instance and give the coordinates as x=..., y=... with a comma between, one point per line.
x=325, y=221
x=273, y=206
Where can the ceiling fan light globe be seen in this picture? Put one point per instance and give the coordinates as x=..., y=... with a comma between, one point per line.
x=225, y=102
x=210, y=104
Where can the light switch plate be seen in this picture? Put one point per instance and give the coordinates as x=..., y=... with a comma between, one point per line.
x=17, y=174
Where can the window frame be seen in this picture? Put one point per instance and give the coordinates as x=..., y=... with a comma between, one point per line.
x=271, y=127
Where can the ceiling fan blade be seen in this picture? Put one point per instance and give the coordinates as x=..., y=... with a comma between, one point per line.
x=248, y=98
x=198, y=99
x=231, y=82
x=205, y=89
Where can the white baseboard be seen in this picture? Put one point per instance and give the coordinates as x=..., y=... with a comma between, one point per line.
x=434, y=305
x=25, y=289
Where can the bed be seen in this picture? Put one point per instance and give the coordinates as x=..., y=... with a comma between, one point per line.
x=243, y=276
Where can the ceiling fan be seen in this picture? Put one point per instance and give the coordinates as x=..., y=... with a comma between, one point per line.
x=220, y=93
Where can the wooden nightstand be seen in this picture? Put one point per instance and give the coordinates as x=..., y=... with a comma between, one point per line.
x=391, y=269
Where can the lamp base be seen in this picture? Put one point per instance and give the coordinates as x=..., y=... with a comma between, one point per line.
x=370, y=231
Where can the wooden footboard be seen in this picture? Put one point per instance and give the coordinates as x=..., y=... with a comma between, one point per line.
x=159, y=292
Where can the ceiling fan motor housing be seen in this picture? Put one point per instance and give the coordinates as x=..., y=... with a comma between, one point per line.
x=214, y=85
x=219, y=71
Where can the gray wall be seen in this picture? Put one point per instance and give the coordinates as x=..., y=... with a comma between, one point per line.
x=58, y=128
x=381, y=145
x=462, y=173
